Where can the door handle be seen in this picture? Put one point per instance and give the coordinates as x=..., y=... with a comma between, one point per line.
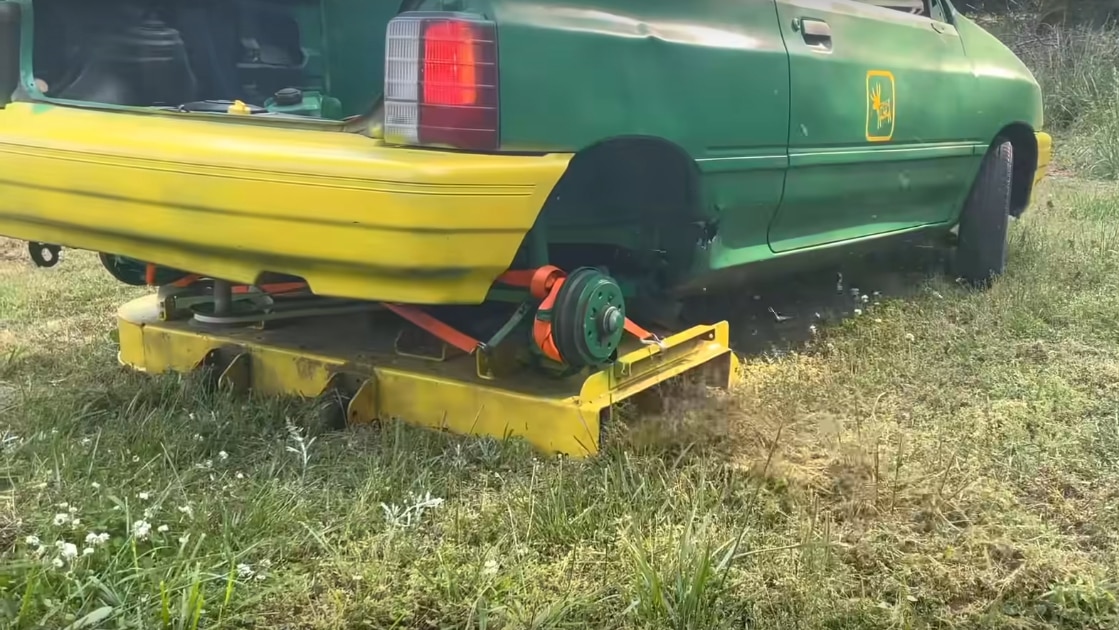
x=816, y=33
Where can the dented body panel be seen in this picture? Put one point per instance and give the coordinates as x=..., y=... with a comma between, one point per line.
x=804, y=126
x=352, y=217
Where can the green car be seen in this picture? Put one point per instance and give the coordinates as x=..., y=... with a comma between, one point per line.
x=415, y=151
x=576, y=169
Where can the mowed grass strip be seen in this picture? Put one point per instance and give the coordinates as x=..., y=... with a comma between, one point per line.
x=950, y=460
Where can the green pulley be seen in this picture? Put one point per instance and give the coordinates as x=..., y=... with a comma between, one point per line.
x=588, y=318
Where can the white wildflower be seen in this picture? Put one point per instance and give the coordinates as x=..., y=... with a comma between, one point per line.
x=63, y=505
x=858, y=312
x=96, y=539
x=812, y=329
x=73, y=509
x=61, y=519
x=58, y=563
x=490, y=568
x=910, y=337
x=239, y=475
x=187, y=510
x=141, y=529
x=76, y=523
x=86, y=441
x=135, y=458
x=245, y=571
x=69, y=551
x=163, y=529
x=149, y=513
x=95, y=485
x=184, y=539
x=144, y=496
x=222, y=455
x=88, y=551
x=32, y=541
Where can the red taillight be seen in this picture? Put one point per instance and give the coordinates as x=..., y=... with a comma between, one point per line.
x=441, y=81
x=450, y=75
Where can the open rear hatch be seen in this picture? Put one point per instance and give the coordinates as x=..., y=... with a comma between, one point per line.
x=319, y=59
x=95, y=161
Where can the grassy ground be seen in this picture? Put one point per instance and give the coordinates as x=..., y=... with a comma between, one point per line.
x=946, y=460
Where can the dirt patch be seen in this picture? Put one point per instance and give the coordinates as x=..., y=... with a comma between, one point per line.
x=11, y=249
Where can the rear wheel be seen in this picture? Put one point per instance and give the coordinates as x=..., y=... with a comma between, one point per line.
x=982, y=240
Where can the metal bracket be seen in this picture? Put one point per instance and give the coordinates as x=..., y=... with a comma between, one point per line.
x=218, y=370
x=415, y=343
x=363, y=405
x=237, y=376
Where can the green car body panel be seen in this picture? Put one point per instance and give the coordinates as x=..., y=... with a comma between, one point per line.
x=811, y=125
x=734, y=133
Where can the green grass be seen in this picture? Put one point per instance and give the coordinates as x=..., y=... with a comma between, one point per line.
x=946, y=460
x=1077, y=67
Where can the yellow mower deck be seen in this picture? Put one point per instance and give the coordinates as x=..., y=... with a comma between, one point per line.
x=354, y=356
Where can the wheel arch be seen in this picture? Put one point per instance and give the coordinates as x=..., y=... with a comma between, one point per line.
x=633, y=181
x=646, y=149
x=1024, y=141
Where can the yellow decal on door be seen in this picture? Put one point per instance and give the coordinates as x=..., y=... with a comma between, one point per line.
x=881, y=106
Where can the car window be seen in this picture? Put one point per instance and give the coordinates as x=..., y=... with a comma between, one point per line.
x=916, y=7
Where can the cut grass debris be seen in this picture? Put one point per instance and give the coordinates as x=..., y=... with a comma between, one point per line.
x=946, y=460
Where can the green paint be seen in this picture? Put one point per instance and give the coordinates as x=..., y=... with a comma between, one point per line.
x=801, y=143
x=354, y=33
x=808, y=126
x=875, y=140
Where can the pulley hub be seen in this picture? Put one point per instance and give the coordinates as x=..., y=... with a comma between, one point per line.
x=588, y=318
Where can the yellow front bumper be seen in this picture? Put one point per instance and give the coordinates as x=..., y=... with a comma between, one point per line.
x=354, y=357
x=1044, y=156
x=353, y=217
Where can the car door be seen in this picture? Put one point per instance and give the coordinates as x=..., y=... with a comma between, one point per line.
x=877, y=120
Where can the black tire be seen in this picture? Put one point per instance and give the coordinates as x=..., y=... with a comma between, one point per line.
x=985, y=221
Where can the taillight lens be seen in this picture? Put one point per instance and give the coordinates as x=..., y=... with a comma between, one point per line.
x=441, y=81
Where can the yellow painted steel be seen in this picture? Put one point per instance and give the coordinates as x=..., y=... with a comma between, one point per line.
x=232, y=200
x=553, y=415
x=1044, y=155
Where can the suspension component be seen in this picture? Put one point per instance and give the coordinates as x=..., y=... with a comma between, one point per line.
x=44, y=254
x=137, y=273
